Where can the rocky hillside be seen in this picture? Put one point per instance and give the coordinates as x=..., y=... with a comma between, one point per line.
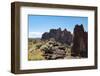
x=59, y=44
x=62, y=36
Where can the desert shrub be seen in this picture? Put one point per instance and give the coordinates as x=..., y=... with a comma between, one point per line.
x=34, y=41
x=44, y=47
x=38, y=45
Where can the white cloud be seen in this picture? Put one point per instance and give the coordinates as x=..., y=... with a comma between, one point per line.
x=35, y=34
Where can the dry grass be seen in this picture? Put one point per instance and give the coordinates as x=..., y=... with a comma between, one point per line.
x=35, y=55
x=34, y=52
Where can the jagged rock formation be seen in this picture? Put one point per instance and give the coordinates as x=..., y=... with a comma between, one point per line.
x=59, y=35
x=80, y=42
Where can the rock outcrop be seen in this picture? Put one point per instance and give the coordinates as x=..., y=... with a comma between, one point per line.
x=80, y=42
x=53, y=50
x=59, y=35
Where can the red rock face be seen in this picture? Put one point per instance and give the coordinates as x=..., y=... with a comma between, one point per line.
x=80, y=42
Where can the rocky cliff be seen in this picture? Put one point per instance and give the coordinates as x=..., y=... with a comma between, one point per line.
x=80, y=41
x=62, y=36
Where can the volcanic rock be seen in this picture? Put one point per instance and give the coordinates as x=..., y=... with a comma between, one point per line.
x=59, y=35
x=80, y=42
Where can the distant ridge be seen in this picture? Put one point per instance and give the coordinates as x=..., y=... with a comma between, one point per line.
x=62, y=36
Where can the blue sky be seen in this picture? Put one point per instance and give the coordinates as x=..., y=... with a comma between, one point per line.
x=38, y=24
